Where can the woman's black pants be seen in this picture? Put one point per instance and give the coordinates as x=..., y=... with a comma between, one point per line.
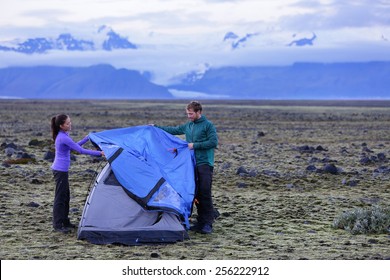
x=61, y=199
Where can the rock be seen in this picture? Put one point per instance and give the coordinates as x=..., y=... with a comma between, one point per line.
x=382, y=170
x=350, y=182
x=331, y=169
x=260, y=134
x=241, y=170
x=327, y=159
x=381, y=157
x=49, y=155
x=35, y=142
x=242, y=185
x=35, y=181
x=320, y=148
x=306, y=149
x=11, y=145
x=271, y=173
x=311, y=168
x=365, y=149
x=226, y=165
x=365, y=160
x=9, y=151
x=24, y=155
x=314, y=159
x=373, y=158
x=154, y=255
x=33, y=204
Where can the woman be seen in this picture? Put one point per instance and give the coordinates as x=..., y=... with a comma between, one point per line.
x=60, y=127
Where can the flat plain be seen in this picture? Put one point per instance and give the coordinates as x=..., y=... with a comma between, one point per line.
x=284, y=171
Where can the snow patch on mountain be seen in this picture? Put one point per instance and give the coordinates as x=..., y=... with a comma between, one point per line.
x=303, y=41
x=235, y=41
x=192, y=76
x=104, y=39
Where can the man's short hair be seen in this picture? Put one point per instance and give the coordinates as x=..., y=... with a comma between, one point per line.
x=195, y=106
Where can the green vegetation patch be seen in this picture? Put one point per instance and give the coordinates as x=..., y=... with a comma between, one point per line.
x=364, y=220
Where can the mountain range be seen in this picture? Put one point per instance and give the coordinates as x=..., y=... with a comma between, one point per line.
x=95, y=82
x=105, y=39
x=364, y=80
x=359, y=80
x=299, y=81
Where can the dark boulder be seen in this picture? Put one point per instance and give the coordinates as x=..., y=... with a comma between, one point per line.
x=381, y=157
x=49, y=156
x=311, y=168
x=242, y=171
x=33, y=204
x=331, y=169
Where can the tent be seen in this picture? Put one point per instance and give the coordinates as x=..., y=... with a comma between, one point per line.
x=145, y=192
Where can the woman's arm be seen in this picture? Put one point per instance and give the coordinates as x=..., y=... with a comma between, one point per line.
x=78, y=148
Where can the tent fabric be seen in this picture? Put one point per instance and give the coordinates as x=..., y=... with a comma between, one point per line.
x=155, y=168
x=111, y=216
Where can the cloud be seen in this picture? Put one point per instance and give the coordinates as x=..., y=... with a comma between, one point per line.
x=338, y=14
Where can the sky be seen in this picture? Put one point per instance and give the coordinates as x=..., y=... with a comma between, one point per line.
x=177, y=36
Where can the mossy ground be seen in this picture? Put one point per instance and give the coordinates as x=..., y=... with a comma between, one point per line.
x=279, y=210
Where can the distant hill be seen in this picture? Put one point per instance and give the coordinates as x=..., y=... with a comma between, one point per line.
x=298, y=81
x=100, y=81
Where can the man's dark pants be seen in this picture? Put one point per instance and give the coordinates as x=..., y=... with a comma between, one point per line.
x=204, y=176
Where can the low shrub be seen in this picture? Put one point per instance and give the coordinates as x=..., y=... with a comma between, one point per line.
x=364, y=220
x=20, y=161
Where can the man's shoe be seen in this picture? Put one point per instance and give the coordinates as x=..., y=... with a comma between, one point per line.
x=70, y=226
x=207, y=229
x=62, y=230
x=196, y=227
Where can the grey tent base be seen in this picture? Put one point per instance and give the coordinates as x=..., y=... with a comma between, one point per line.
x=111, y=216
x=132, y=237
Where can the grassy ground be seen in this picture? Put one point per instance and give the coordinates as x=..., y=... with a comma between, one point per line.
x=277, y=210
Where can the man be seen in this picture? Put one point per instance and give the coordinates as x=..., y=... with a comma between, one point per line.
x=201, y=136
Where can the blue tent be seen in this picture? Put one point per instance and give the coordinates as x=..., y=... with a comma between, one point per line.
x=152, y=168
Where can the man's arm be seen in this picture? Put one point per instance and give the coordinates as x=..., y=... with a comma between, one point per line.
x=174, y=130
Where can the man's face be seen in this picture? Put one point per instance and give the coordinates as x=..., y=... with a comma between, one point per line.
x=193, y=116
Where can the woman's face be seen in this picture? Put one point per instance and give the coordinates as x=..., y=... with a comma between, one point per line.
x=67, y=126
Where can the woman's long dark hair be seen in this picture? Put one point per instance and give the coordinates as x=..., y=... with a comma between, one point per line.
x=56, y=122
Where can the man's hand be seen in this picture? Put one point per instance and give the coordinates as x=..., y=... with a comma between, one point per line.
x=191, y=146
